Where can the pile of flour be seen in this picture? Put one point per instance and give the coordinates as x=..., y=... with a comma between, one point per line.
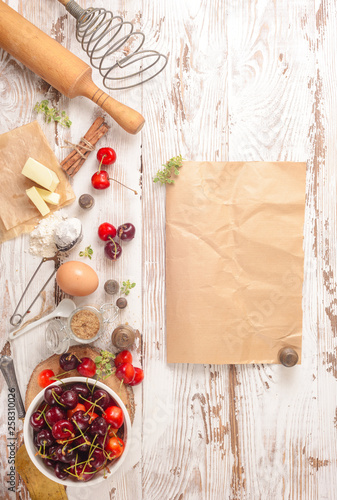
x=42, y=241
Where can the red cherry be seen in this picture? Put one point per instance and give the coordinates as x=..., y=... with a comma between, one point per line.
x=125, y=372
x=100, y=179
x=106, y=231
x=44, y=378
x=114, y=416
x=123, y=357
x=87, y=367
x=63, y=429
x=107, y=156
x=139, y=377
x=115, y=447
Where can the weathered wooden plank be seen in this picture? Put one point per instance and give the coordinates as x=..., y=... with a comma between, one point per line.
x=323, y=164
x=275, y=409
x=186, y=440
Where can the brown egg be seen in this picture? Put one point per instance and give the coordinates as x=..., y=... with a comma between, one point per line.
x=77, y=278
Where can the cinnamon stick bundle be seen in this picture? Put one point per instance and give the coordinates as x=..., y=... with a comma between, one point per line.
x=74, y=161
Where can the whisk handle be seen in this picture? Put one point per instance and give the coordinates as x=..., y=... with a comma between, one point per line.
x=129, y=119
x=64, y=2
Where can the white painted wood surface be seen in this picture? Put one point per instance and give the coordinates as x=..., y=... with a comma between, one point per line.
x=246, y=80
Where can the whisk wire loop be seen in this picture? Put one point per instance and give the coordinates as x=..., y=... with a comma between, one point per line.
x=104, y=36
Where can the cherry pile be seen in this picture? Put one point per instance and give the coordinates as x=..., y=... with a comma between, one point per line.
x=125, y=371
x=78, y=430
x=107, y=232
x=68, y=361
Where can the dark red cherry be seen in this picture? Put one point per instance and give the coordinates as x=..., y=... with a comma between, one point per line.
x=54, y=414
x=37, y=421
x=60, y=471
x=81, y=420
x=102, y=441
x=68, y=361
x=69, y=399
x=49, y=462
x=85, y=472
x=99, y=426
x=102, y=398
x=45, y=438
x=81, y=389
x=126, y=232
x=97, y=459
x=112, y=250
x=83, y=443
x=52, y=394
x=64, y=453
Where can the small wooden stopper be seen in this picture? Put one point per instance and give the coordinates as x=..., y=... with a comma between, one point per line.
x=111, y=287
x=123, y=337
x=121, y=303
x=86, y=201
x=288, y=357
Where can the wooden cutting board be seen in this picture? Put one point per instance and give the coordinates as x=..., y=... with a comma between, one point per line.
x=124, y=392
x=39, y=486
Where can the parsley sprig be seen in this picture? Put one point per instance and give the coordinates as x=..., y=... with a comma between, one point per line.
x=127, y=286
x=171, y=166
x=103, y=364
x=88, y=251
x=52, y=114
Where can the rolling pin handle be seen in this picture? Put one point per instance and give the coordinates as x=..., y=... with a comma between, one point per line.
x=288, y=357
x=129, y=119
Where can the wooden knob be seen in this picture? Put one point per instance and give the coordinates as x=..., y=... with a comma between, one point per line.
x=288, y=357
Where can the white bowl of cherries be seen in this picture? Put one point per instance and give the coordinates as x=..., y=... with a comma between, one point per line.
x=74, y=447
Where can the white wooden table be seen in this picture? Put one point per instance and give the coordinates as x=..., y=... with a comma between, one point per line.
x=246, y=80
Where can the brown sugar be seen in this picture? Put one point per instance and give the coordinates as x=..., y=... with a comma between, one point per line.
x=85, y=324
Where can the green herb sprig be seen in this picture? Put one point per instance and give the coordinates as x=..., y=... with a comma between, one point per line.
x=103, y=364
x=52, y=114
x=88, y=251
x=171, y=166
x=127, y=286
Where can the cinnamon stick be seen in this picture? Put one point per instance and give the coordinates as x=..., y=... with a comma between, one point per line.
x=74, y=161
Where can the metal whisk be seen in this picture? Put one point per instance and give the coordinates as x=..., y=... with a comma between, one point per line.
x=106, y=38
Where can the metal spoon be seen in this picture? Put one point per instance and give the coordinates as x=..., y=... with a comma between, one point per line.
x=16, y=318
x=63, y=310
x=8, y=371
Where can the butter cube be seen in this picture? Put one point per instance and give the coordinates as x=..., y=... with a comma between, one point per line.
x=34, y=196
x=40, y=174
x=48, y=196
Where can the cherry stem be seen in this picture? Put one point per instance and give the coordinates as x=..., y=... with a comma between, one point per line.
x=100, y=164
x=111, y=179
x=115, y=249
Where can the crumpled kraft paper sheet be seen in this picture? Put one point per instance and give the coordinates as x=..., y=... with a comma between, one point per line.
x=234, y=261
x=18, y=214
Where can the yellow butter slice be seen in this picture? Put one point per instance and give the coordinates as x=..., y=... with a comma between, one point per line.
x=48, y=196
x=40, y=174
x=34, y=196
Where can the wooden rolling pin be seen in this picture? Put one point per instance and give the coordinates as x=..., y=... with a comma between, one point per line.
x=59, y=67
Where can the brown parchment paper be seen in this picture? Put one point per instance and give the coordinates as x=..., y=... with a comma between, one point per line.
x=234, y=261
x=18, y=214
